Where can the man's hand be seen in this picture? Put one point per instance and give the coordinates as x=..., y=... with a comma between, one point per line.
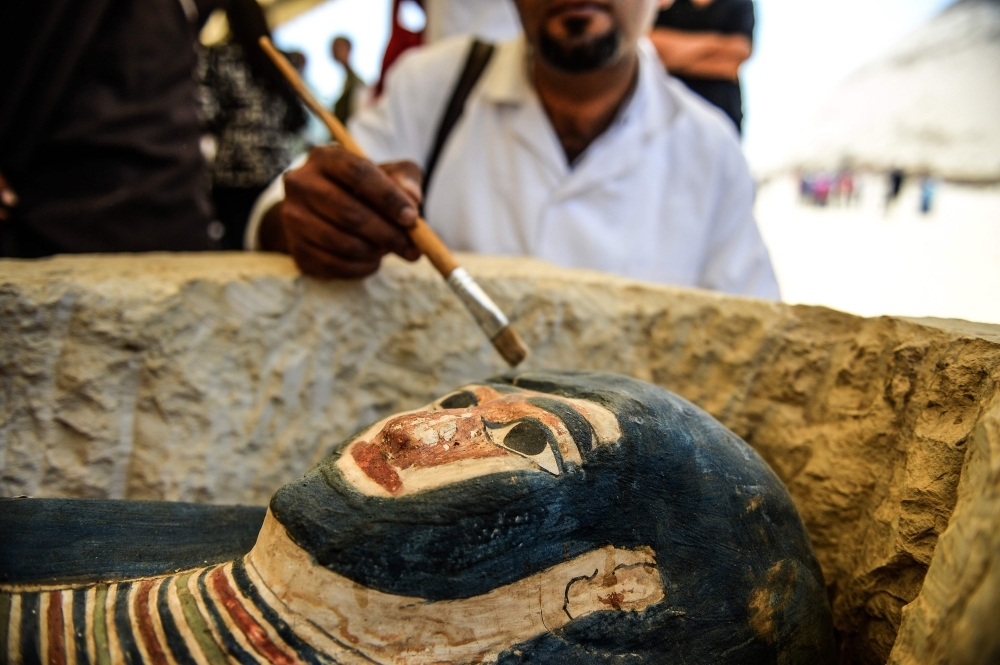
x=8, y=198
x=342, y=214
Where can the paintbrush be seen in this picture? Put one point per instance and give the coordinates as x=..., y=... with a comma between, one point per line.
x=489, y=317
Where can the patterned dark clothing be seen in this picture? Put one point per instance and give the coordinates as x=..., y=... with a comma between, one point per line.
x=251, y=123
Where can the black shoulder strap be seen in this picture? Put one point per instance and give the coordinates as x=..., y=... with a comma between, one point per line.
x=475, y=63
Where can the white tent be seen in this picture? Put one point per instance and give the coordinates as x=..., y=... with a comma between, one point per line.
x=931, y=105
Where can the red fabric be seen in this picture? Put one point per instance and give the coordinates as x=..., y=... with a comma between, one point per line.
x=400, y=40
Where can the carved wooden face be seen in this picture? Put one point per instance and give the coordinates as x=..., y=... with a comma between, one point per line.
x=475, y=431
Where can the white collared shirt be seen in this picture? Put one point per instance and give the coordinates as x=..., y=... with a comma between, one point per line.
x=664, y=195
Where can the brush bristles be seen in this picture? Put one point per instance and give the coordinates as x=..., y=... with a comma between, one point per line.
x=508, y=343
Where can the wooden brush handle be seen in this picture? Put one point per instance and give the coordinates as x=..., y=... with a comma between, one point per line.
x=431, y=245
x=423, y=237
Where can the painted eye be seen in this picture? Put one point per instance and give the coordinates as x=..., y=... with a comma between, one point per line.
x=527, y=437
x=459, y=400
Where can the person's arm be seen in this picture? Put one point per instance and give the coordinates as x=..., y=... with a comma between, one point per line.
x=701, y=54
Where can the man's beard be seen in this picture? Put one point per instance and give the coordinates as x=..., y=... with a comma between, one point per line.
x=587, y=56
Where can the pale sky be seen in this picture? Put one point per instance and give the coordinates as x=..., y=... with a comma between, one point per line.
x=803, y=49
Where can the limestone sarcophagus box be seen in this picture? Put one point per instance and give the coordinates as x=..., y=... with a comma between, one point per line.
x=533, y=518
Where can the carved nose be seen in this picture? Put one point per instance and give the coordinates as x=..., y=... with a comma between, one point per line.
x=418, y=431
x=438, y=432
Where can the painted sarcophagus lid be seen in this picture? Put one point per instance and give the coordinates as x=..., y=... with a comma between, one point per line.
x=537, y=517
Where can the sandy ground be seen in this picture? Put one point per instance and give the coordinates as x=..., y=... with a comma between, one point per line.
x=867, y=261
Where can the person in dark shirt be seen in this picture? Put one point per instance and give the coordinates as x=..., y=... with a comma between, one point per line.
x=100, y=127
x=703, y=43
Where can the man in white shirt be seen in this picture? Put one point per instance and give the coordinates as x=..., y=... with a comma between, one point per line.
x=575, y=146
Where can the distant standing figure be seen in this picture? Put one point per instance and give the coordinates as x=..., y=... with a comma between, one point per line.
x=703, y=43
x=896, y=177
x=844, y=187
x=927, y=188
x=354, y=86
x=821, y=189
x=805, y=188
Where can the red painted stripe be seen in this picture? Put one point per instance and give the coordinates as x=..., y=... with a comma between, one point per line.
x=246, y=623
x=371, y=459
x=145, y=622
x=57, y=638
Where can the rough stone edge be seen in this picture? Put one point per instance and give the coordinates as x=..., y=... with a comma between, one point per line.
x=933, y=625
x=950, y=621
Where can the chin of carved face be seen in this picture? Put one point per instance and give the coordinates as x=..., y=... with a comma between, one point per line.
x=474, y=432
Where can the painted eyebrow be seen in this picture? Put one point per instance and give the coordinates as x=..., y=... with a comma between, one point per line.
x=579, y=429
x=459, y=400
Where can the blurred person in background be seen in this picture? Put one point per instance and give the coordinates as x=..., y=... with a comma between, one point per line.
x=298, y=60
x=570, y=144
x=895, y=186
x=844, y=188
x=928, y=187
x=822, y=186
x=100, y=127
x=704, y=43
x=352, y=95
x=254, y=116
